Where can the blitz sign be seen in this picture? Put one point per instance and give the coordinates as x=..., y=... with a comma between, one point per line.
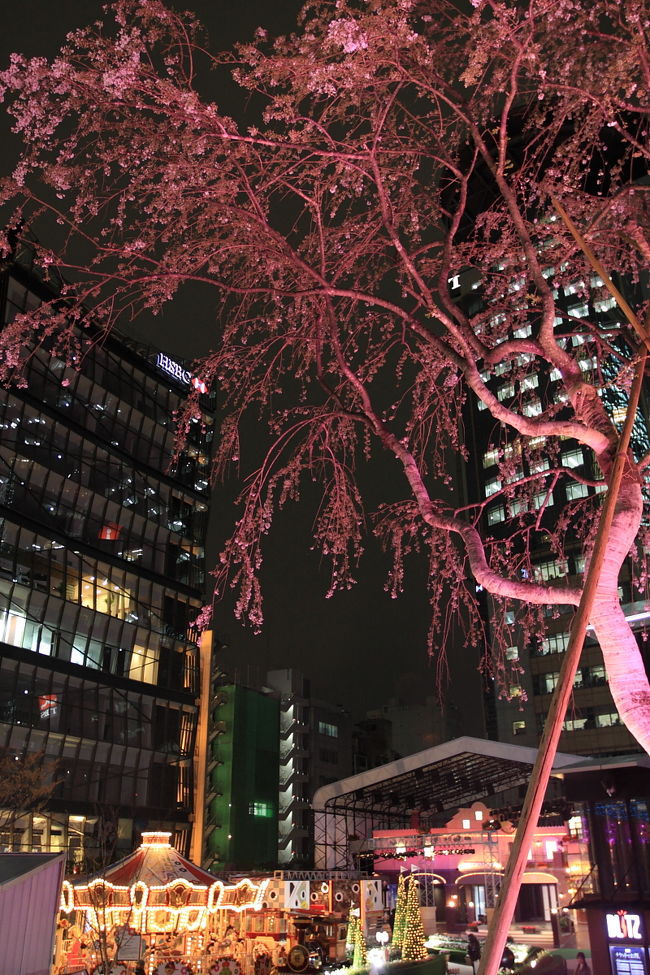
x=623, y=926
x=176, y=371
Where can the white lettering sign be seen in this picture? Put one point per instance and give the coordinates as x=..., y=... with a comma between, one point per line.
x=176, y=370
x=623, y=926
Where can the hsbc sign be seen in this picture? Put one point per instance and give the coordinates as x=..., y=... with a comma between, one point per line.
x=178, y=372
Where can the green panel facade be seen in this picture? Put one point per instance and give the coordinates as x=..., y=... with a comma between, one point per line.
x=245, y=811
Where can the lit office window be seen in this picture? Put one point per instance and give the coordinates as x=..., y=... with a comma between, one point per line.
x=575, y=491
x=328, y=729
x=264, y=809
x=496, y=514
x=573, y=458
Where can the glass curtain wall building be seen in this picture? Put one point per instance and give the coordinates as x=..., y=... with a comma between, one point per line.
x=101, y=576
x=593, y=725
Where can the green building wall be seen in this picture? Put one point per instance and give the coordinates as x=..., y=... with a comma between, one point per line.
x=245, y=809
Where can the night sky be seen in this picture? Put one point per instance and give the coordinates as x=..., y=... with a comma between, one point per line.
x=360, y=648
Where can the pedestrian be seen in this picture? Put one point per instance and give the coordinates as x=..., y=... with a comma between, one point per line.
x=473, y=949
x=582, y=968
x=508, y=958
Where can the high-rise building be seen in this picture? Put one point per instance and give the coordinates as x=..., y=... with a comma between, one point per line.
x=517, y=712
x=267, y=728
x=101, y=577
x=315, y=749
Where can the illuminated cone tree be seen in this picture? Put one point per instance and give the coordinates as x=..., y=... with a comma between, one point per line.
x=353, y=925
x=400, y=915
x=413, y=946
x=359, y=959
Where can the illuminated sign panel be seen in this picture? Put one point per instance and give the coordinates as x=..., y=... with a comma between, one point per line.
x=47, y=705
x=622, y=926
x=178, y=372
x=628, y=960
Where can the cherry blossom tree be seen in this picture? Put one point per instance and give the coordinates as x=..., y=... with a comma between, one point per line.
x=395, y=149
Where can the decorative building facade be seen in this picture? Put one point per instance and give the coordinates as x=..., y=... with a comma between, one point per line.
x=101, y=576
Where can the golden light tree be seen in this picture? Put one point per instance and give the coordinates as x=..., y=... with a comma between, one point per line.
x=413, y=947
x=400, y=914
x=359, y=959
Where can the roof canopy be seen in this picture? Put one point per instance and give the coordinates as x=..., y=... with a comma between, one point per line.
x=439, y=779
x=421, y=790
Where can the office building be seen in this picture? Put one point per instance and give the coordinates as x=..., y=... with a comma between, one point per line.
x=532, y=661
x=101, y=577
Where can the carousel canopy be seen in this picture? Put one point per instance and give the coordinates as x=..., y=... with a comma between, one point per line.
x=156, y=863
x=156, y=890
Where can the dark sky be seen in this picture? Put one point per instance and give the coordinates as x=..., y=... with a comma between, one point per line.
x=360, y=648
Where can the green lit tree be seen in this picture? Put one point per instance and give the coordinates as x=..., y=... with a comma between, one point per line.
x=360, y=958
x=400, y=915
x=413, y=944
x=353, y=925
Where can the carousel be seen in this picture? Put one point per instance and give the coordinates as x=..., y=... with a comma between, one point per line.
x=153, y=912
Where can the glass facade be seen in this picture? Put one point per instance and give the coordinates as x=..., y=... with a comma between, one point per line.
x=517, y=709
x=101, y=575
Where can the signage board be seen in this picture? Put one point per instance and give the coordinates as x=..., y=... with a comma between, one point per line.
x=622, y=926
x=628, y=960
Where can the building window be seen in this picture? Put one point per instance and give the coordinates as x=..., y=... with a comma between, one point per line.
x=532, y=408
x=546, y=683
x=578, y=311
x=328, y=729
x=491, y=457
x=573, y=458
x=264, y=809
x=496, y=514
x=607, y=720
x=506, y=392
x=550, y=569
x=544, y=498
x=519, y=727
x=575, y=491
x=512, y=653
x=574, y=288
x=556, y=643
x=492, y=486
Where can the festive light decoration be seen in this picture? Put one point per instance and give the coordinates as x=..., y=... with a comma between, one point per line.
x=351, y=936
x=150, y=908
x=360, y=956
x=413, y=947
x=400, y=915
